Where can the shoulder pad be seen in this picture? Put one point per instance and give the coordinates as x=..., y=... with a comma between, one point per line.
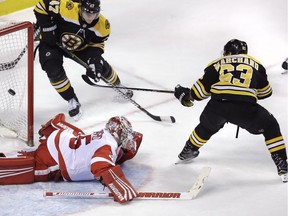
x=102, y=27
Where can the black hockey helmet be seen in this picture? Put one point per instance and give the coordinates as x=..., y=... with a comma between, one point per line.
x=90, y=6
x=235, y=46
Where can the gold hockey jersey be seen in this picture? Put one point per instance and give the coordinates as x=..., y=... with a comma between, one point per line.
x=73, y=33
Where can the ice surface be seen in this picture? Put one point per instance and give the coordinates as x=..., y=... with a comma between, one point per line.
x=158, y=44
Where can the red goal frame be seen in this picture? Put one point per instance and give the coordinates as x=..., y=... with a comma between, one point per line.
x=30, y=76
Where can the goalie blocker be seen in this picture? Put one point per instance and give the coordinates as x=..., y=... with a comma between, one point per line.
x=119, y=186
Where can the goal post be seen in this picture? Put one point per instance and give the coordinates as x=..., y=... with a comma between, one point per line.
x=16, y=82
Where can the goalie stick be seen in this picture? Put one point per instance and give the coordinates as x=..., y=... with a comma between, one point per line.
x=13, y=63
x=156, y=118
x=89, y=82
x=191, y=194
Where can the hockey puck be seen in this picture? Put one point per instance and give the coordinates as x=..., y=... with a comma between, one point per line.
x=12, y=92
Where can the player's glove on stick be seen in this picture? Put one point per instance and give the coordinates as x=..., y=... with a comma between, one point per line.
x=119, y=186
x=96, y=66
x=184, y=95
x=48, y=34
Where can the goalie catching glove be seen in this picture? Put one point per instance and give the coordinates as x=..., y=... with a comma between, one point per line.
x=119, y=186
x=95, y=68
x=57, y=123
x=183, y=95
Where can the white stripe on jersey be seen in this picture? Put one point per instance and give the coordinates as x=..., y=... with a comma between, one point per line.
x=78, y=161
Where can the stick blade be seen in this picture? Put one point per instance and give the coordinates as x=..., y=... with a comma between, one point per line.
x=169, y=119
x=199, y=183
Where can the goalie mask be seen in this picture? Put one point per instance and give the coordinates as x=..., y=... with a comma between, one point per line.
x=121, y=129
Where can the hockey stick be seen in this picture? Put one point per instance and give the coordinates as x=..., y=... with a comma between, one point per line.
x=156, y=118
x=191, y=194
x=89, y=82
x=237, y=132
x=12, y=64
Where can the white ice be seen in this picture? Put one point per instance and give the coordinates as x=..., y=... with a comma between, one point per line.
x=159, y=44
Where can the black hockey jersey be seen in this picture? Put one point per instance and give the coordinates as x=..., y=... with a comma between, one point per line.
x=234, y=77
x=73, y=33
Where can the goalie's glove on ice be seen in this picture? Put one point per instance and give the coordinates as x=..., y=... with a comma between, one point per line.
x=119, y=186
x=184, y=95
x=49, y=34
x=95, y=68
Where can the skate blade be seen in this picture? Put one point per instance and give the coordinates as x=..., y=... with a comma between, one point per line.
x=284, y=178
x=187, y=161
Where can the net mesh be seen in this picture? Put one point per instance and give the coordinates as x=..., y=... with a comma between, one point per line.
x=13, y=81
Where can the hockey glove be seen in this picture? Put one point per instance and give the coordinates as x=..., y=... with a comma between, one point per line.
x=285, y=64
x=128, y=154
x=57, y=123
x=183, y=95
x=119, y=186
x=95, y=68
x=49, y=35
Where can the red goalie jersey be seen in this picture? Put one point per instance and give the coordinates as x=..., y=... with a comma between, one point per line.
x=65, y=151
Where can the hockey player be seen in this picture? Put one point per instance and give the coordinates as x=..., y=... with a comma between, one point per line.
x=66, y=152
x=235, y=82
x=81, y=29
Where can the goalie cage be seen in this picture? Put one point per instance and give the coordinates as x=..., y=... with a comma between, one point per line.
x=16, y=82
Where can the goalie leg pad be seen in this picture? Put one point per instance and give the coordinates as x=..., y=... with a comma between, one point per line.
x=18, y=170
x=119, y=186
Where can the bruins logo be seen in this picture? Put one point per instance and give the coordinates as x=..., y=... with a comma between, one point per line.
x=107, y=24
x=70, y=5
x=71, y=41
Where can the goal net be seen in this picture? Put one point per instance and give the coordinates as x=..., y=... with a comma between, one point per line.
x=16, y=80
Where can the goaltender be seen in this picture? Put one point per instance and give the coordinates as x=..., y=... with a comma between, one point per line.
x=66, y=152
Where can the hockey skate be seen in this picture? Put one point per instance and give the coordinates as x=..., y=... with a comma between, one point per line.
x=188, y=153
x=74, y=108
x=284, y=177
x=281, y=167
